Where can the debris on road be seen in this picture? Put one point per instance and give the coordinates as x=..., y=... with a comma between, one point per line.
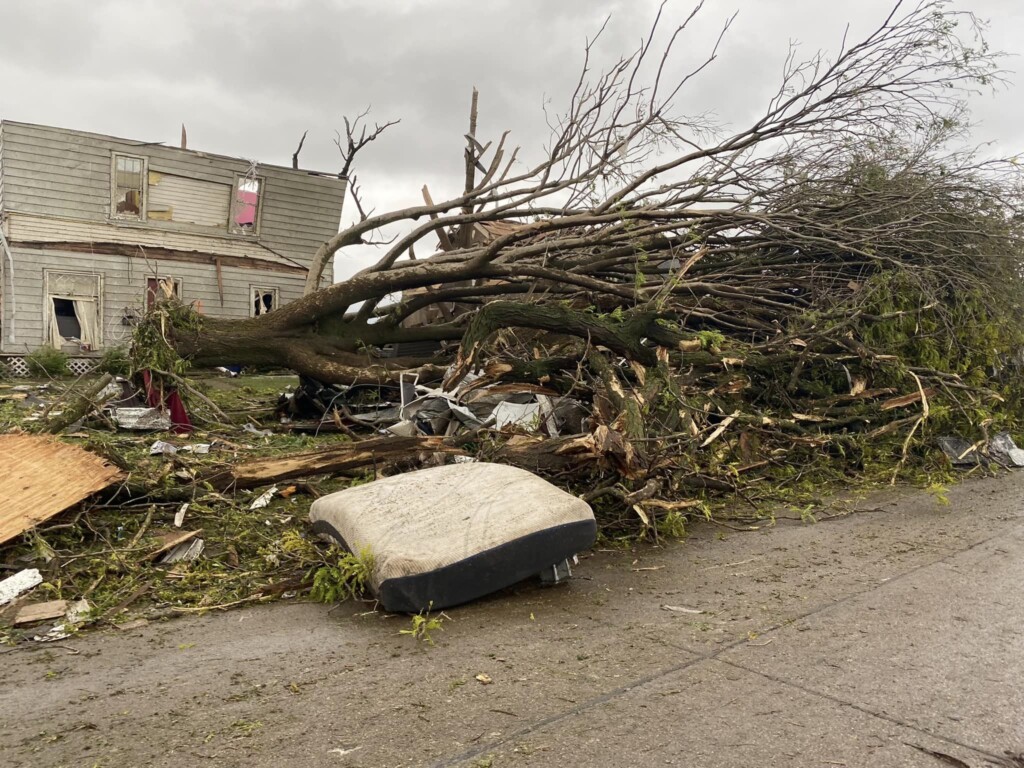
x=36, y=612
x=681, y=609
x=77, y=614
x=960, y=452
x=1002, y=449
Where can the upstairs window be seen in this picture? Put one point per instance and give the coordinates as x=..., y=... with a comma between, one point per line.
x=245, y=205
x=128, y=187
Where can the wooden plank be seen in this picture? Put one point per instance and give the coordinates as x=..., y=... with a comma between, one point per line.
x=43, y=477
x=30, y=614
x=220, y=280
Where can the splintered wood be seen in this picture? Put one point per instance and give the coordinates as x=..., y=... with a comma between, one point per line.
x=40, y=477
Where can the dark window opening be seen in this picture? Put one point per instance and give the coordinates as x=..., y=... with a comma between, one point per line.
x=67, y=321
x=264, y=300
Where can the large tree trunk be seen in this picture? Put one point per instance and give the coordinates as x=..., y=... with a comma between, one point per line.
x=330, y=358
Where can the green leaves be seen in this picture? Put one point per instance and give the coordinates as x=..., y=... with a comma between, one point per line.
x=348, y=578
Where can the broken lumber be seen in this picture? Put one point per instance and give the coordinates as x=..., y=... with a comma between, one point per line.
x=30, y=614
x=43, y=477
x=85, y=403
x=253, y=474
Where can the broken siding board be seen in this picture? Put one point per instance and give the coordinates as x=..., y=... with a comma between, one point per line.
x=55, y=148
x=155, y=253
x=198, y=171
x=189, y=200
x=34, y=492
x=43, y=229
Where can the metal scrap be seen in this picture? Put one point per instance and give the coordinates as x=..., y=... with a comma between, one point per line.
x=1003, y=450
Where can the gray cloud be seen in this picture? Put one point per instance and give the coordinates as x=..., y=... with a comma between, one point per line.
x=247, y=78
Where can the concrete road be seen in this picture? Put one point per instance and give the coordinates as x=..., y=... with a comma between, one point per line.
x=891, y=636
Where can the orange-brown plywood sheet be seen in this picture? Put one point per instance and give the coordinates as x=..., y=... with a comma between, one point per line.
x=40, y=476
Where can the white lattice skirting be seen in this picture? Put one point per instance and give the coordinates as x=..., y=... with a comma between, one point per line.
x=17, y=368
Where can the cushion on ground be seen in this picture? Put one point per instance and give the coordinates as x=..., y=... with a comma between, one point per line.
x=451, y=534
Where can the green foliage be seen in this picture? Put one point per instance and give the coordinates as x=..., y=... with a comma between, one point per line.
x=710, y=340
x=939, y=491
x=955, y=331
x=151, y=348
x=423, y=624
x=672, y=525
x=348, y=577
x=115, y=361
x=47, y=361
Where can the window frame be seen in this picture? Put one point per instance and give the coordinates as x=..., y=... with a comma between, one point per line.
x=253, y=288
x=233, y=208
x=100, y=309
x=144, y=192
x=145, y=290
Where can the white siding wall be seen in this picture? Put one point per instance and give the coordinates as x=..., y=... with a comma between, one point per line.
x=124, y=288
x=58, y=172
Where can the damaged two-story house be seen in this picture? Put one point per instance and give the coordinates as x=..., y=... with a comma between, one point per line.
x=94, y=227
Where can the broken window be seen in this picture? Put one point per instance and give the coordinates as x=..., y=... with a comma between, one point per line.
x=263, y=300
x=73, y=309
x=129, y=187
x=161, y=288
x=245, y=205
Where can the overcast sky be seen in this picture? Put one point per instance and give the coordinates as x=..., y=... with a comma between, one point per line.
x=247, y=78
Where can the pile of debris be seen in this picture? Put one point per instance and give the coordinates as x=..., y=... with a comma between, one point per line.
x=156, y=512
x=657, y=318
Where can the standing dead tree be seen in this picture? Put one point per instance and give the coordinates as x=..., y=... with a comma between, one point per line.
x=676, y=227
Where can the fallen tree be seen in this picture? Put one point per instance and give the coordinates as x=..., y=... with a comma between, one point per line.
x=837, y=274
x=845, y=176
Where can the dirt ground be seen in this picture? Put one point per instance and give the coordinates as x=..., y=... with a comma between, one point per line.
x=884, y=637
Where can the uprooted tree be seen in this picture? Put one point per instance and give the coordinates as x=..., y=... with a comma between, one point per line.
x=841, y=247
